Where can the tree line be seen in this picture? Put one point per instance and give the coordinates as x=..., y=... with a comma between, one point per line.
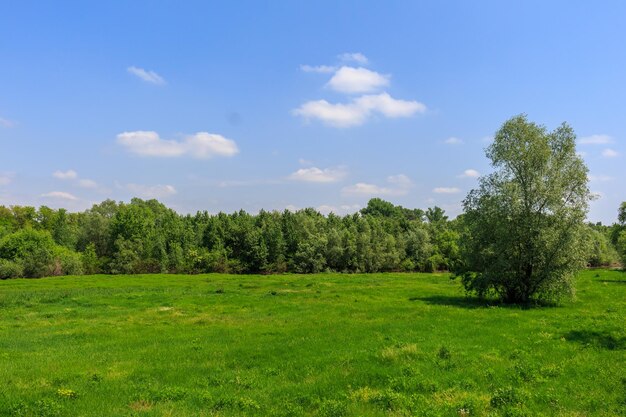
x=147, y=237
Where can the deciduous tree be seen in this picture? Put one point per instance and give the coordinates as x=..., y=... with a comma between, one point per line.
x=525, y=221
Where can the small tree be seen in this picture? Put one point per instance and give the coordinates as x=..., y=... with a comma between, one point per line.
x=621, y=214
x=620, y=233
x=525, y=222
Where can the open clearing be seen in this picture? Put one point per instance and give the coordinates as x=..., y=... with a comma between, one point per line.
x=311, y=345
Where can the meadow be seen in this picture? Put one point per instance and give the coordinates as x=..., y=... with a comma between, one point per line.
x=406, y=344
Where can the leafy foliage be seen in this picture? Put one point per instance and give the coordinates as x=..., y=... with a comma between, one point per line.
x=525, y=232
x=147, y=237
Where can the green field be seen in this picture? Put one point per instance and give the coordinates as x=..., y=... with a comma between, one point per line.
x=310, y=345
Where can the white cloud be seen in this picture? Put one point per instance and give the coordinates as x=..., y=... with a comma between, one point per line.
x=610, y=153
x=357, y=80
x=201, y=145
x=595, y=140
x=305, y=162
x=65, y=175
x=337, y=115
x=86, y=183
x=60, y=195
x=401, y=185
x=6, y=122
x=470, y=173
x=363, y=188
x=389, y=106
x=318, y=175
x=353, y=57
x=446, y=190
x=147, y=76
x=323, y=69
x=341, y=210
x=400, y=180
x=151, y=191
x=359, y=110
x=453, y=141
x=72, y=175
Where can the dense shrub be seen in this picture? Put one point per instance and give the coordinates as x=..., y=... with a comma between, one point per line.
x=10, y=269
x=33, y=249
x=601, y=252
x=37, y=255
x=67, y=262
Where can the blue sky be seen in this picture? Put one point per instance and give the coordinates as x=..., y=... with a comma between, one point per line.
x=274, y=105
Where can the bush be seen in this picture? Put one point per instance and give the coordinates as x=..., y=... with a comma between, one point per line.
x=602, y=253
x=33, y=249
x=67, y=262
x=34, y=254
x=10, y=269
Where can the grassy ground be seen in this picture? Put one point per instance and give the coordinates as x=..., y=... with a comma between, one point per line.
x=312, y=345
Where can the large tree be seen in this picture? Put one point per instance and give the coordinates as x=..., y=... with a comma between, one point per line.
x=525, y=222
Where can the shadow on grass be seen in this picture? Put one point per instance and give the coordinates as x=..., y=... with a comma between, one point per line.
x=612, y=281
x=592, y=338
x=471, y=302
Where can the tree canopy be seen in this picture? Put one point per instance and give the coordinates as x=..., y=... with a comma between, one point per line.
x=525, y=232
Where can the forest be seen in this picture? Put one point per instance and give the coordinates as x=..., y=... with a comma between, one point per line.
x=145, y=236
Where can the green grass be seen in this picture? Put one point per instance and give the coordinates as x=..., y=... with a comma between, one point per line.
x=310, y=345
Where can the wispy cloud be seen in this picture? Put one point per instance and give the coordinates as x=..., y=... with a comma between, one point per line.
x=322, y=69
x=145, y=75
x=470, y=173
x=400, y=185
x=446, y=190
x=595, y=140
x=150, y=191
x=610, y=153
x=65, y=175
x=363, y=188
x=358, y=110
x=71, y=175
x=453, y=141
x=353, y=57
x=202, y=145
x=87, y=183
x=60, y=195
x=318, y=175
x=357, y=80
x=400, y=180
x=245, y=183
